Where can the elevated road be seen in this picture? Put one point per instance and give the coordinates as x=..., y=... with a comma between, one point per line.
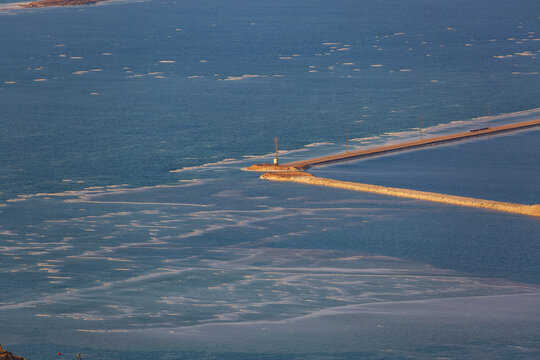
x=304, y=164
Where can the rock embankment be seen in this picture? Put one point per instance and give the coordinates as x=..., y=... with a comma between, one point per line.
x=271, y=167
x=305, y=178
x=304, y=164
x=6, y=355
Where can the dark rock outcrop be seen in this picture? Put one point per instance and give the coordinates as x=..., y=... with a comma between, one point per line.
x=6, y=355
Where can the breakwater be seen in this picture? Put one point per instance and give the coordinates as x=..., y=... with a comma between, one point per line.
x=306, y=178
x=294, y=172
x=304, y=164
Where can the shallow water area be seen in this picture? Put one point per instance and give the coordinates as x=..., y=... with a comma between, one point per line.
x=242, y=266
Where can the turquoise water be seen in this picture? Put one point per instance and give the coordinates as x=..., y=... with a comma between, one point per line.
x=127, y=225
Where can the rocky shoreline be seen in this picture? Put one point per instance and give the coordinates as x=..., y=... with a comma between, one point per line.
x=6, y=355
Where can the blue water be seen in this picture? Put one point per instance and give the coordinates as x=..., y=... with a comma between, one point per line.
x=127, y=225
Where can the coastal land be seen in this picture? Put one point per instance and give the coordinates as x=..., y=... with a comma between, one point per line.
x=49, y=3
x=46, y=3
x=295, y=172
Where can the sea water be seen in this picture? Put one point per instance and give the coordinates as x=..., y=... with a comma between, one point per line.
x=128, y=226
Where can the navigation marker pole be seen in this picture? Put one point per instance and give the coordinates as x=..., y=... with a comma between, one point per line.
x=420, y=128
x=346, y=141
x=276, y=161
x=489, y=108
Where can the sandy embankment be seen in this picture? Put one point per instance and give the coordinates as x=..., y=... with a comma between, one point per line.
x=306, y=178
